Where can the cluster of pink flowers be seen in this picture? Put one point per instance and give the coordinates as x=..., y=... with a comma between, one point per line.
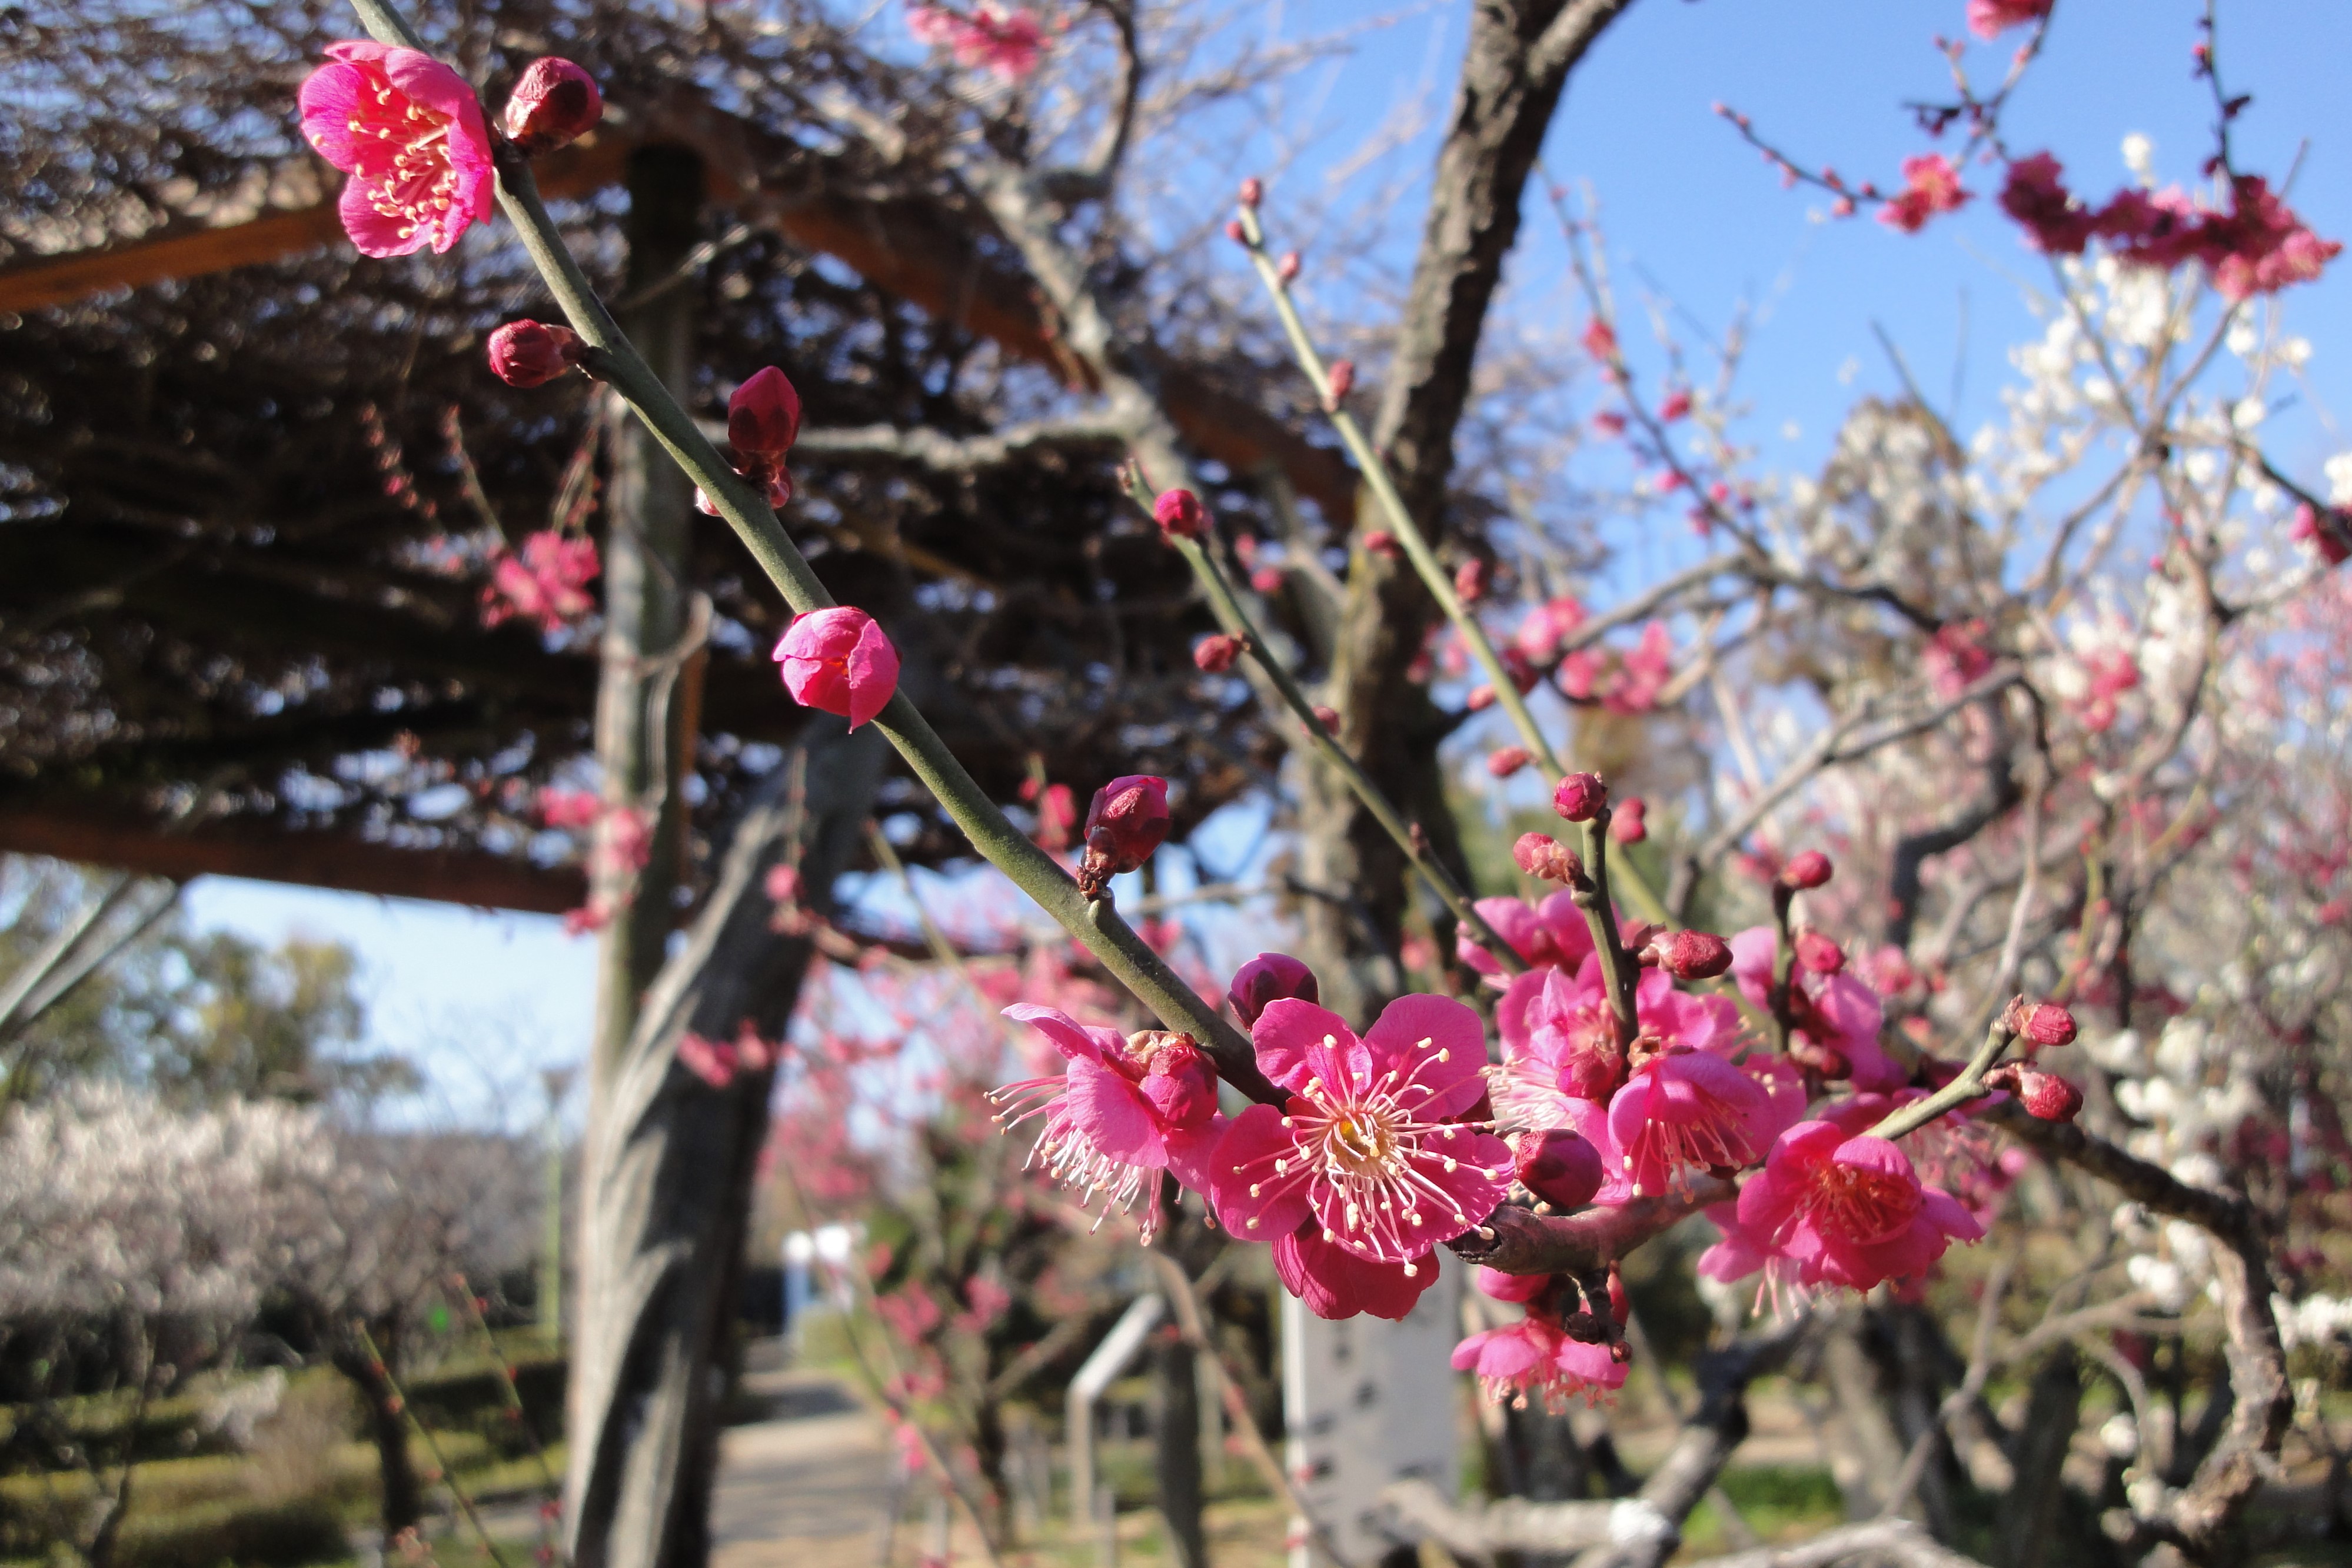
x=2258, y=246
x=1007, y=41
x=545, y=584
x=1627, y=682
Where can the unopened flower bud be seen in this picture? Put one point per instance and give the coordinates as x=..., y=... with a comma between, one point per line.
x=1507, y=760
x=1252, y=191
x=1329, y=717
x=1481, y=697
x=1525, y=676
x=553, y=105
x=1545, y=857
x=1341, y=383
x=763, y=418
x=533, y=353
x=1177, y=1078
x=1181, y=515
x=1819, y=954
x=1288, y=270
x=1690, y=955
x=1628, y=824
x=1267, y=978
x=1579, y=796
x=1235, y=233
x=1125, y=823
x=1382, y=543
x=2043, y=1023
x=2046, y=1096
x=1810, y=869
x=1559, y=1166
x=1215, y=655
x=1472, y=578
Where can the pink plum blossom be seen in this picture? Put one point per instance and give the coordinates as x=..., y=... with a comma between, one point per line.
x=1991, y=18
x=1686, y=1110
x=1560, y=1037
x=1371, y=1145
x=410, y=133
x=1006, y=41
x=1849, y=1211
x=1123, y=1110
x=1553, y=933
x=1536, y=1356
x=839, y=661
x=1930, y=186
x=546, y=584
x=1832, y=1013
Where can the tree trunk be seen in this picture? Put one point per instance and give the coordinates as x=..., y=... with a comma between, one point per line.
x=665, y=1190
x=2053, y=1409
x=1176, y=1405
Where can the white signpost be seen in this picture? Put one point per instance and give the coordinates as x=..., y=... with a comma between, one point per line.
x=1368, y=1402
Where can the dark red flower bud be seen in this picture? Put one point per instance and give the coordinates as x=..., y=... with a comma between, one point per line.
x=533, y=353
x=1329, y=717
x=1177, y=1078
x=1252, y=191
x=1810, y=869
x=1819, y=954
x=1342, y=382
x=1289, y=268
x=1690, y=955
x=763, y=418
x=2043, y=1023
x=1472, y=578
x=1559, y=1166
x=1628, y=823
x=553, y=105
x=2047, y=1096
x=1541, y=855
x=1126, y=821
x=1181, y=515
x=1266, y=978
x=1235, y=233
x=1509, y=760
x=1216, y=654
x=1579, y=796
x=1525, y=676
x=1382, y=543
x=1481, y=697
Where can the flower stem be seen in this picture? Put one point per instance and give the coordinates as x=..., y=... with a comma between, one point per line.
x=1968, y=1085
x=1234, y=618
x=614, y=359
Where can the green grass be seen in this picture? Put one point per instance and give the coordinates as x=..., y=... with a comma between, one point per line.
x=1779, y=1502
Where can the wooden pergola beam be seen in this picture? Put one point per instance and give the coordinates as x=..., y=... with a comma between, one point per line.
x=266, y=853
x=899, y=247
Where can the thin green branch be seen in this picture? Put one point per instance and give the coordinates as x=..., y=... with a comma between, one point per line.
x=614, y=359
x=1227, y=606
x=432, y=1445
x=1970, y=1085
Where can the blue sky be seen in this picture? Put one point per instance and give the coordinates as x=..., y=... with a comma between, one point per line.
x=1692, y=216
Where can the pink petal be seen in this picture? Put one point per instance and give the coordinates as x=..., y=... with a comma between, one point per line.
x=872, y=675
x=330, y=100
x=1453, y=1033
x=1290, y=1036
x=1333, y=1283
x=1256, y=1205
x=376, y=234
x=1071, y=1038
x=1107, y=1109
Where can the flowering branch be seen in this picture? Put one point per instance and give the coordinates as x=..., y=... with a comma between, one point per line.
x=431, y=1444
x=1226, y=604
x=612, y=358
x=1514, y=1240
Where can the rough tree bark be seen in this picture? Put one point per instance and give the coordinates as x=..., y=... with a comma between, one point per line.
x=667, y=1181
x=1519, y=56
